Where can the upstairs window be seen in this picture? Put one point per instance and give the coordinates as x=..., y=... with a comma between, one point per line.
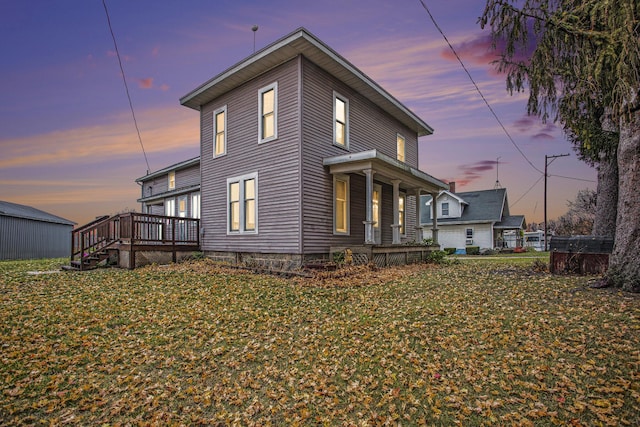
x=340, y=121
x=445, y=208
x=268, y=110
x=220, y=132
x=172, y=180
x=400, y=148
x=243, y=204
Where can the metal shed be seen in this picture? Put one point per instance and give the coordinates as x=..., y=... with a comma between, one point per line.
x=29, y=233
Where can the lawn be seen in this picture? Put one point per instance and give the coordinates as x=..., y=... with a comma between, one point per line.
x=472, y=343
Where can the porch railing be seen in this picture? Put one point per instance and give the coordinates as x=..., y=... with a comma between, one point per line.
x=133, y=229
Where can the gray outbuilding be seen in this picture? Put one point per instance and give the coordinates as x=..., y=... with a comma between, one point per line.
x=29, y=233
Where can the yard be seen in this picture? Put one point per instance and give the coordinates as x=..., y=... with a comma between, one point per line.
x=478, y=342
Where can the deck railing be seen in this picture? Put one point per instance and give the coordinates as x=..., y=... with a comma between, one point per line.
x=134, y=229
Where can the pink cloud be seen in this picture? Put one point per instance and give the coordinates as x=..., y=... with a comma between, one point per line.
x=479, y=50
x=155, y=51
x=473, y=171
x=145, y=83
x=164, y=87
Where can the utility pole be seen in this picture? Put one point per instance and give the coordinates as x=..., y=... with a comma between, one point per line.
x=546, y=164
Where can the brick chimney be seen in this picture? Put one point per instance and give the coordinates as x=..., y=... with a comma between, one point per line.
x=452, y=187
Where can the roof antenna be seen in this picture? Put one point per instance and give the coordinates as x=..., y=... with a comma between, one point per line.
x=254, y=29
x=497, y=180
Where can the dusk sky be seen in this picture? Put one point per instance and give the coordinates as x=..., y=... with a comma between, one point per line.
x=68, y=144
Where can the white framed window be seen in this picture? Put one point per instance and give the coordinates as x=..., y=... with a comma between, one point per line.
x=195, y=205
x=400, y=148
x=402, y=203
x=242, y=197
x=172, y=180
x=220, y=132
x=469, y=234
x=341, y=203
x=445, y=208
x=182, y=206
x=170, y=207
x=268, y=113
x=340, y=121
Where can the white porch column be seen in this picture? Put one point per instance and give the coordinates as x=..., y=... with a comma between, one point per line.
x=369, y=238
x=434, y=216
x=418, y=235
x=396, y=211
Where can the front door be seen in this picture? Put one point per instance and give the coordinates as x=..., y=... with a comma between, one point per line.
x=377, y=204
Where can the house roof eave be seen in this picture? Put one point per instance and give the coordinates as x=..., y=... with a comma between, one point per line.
x=177, y=166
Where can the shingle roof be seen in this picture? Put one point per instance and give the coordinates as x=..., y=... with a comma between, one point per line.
x=511, y=222
x=483, y=206
x=27, y=212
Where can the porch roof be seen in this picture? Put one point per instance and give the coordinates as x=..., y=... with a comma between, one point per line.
x=386, y=168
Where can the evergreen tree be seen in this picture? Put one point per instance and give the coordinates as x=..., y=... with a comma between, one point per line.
x=585, y=62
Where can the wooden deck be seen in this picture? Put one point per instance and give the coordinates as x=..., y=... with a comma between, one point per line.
x=128, y=235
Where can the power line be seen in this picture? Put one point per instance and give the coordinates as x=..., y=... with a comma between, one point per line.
x=527, y=192
x=575, y=179
x=478, y=88
x=126, y=87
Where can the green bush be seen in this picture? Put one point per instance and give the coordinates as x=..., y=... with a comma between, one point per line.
x=437, y=257
x=450, y=251
x=473, y=250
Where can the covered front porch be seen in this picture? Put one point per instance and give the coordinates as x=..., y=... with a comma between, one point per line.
x=405, y=181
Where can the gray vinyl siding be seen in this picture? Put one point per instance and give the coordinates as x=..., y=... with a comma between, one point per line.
x=276, y=163
x=24, y=238
x=370, y=128
x=185, y=178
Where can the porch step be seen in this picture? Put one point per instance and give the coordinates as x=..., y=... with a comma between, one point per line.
x=89, y=262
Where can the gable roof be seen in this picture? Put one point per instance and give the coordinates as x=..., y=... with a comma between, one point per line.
x=302, y=42
x=448, y=193
x=483, y=206
x=27, y=212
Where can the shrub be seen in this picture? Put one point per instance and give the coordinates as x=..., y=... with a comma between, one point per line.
x=450, y=251
x=437, y=257
x=473, y=250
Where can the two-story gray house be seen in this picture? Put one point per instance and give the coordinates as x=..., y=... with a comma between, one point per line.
x=301, y=152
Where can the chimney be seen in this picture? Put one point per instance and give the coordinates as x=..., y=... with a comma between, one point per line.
x=452, y=186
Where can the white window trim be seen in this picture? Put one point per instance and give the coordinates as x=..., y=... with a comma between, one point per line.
x=346, y=179
x=273, y=86
x=182, y=213
x=442, y=209
x=215, y=131
x=344, y=99
x=196, y=206
x=404, y=148
x=403, y=214
x=466, y=235
x=171, y=201
x=171, y=183
x=241, y=179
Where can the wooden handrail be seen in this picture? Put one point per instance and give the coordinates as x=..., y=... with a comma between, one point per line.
x=132, y=227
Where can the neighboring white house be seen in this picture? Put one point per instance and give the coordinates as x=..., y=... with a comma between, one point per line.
x=473, y=218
